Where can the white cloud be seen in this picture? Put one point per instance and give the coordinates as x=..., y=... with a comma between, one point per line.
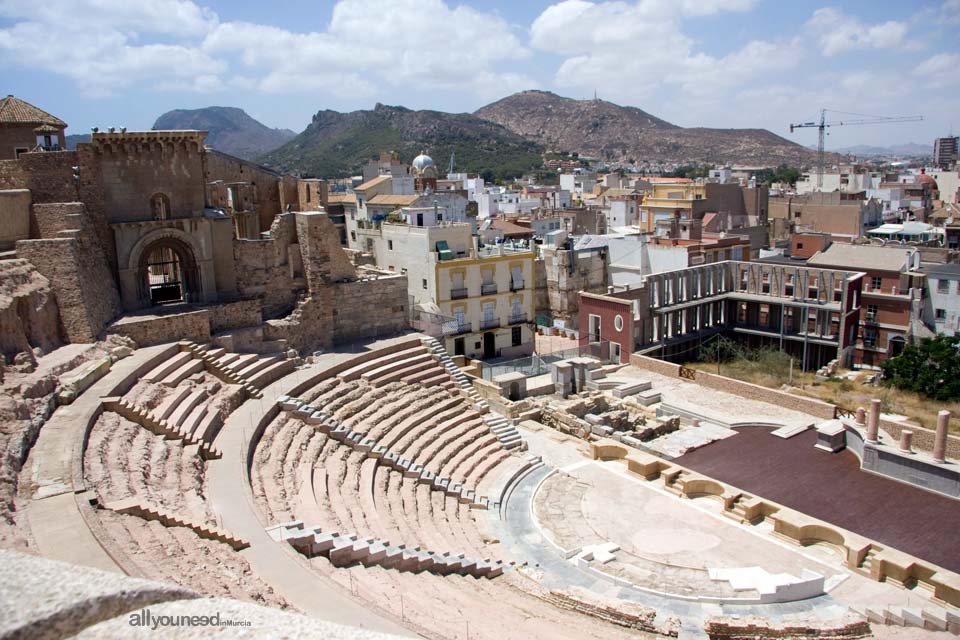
x=941, y=71
x=837, y=32
x=107, y=45
x=629, y=51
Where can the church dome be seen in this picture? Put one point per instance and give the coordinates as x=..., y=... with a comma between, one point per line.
x=422, y=161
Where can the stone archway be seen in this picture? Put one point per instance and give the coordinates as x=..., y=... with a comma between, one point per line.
x=164, y=268
x=167, y=272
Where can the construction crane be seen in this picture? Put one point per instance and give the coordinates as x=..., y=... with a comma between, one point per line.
x=823, y=124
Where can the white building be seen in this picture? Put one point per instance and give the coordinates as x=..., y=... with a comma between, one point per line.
x=621, y=212
x=941, y=305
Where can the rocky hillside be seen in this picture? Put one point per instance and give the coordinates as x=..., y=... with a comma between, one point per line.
x=337, y=144
x=230, y=129
x=601, y=129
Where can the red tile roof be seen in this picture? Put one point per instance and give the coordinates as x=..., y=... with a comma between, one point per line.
x=16, y=111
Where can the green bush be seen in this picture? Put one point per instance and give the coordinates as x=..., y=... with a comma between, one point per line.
x=931, y=368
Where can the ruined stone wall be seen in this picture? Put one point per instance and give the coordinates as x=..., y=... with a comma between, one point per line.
x=271, y=269
x=567, y=273
x=48, y=175
x=194, y=325
x=541, y=299
x=234, y=315
x=369, y=308
x=49, y=220
x=324, y=260
x=267, y=202
x=28, y=310
x=14, y=217
x=86, y=293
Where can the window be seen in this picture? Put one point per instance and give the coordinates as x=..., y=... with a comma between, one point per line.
x=20, y=150
x=390, y=245
x=799, y=245
x=615, y=352
x=871, y=313
x=424, y=283
x=943, y=286
x=353, y=236
x=876, y=282
x=941, y=314
x=869, y=337
x=160, y=206
x=516, y=336
x=618, y=322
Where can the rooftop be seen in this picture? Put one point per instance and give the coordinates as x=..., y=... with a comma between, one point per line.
x=942, y=270
x=13, y=110
x=372, y=183
x=863, y=257
x=386, y=199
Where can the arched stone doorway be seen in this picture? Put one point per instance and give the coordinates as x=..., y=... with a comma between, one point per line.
x=167, y=273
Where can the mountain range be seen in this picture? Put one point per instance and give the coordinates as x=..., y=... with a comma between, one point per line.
x=507, y=137
x=909, y=149
x=337, y=144
x=230, y=130
x=601, y=129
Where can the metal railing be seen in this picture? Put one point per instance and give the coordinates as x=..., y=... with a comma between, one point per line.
x=455, y=328
x=490, y=323
x=516, y=285
x=488, y=288
x=518, y=318
x=459, y=294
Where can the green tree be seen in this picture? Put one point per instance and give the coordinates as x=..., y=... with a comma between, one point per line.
x=931, y=368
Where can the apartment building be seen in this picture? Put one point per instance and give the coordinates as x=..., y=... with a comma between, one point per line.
x=478, y=300
x=892, y=292
x=941, y=304
x=809, y=313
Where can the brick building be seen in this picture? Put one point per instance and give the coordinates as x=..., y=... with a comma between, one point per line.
x=809, y=313
x=24, y=127
x=892, y=293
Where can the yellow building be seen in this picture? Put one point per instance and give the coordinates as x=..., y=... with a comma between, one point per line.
x=489, y=296
x=673, y=199
x=477, y=300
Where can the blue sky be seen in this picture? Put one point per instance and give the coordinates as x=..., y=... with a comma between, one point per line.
x=718, y=63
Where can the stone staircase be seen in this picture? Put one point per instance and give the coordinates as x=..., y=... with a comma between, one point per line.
x=345, y=549
x=159, y=426
x=930, y=617
x=239, y=369
x=134, y=507
x=338, y=431
x=506, y=433
x=463, y=382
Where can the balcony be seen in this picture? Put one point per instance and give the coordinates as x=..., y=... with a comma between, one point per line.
x=490, y=323
x=459, y=294
x=488, y=288
x=516, y=285
x=455, y=328
x=518, y=318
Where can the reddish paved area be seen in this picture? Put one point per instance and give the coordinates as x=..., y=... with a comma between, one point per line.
x=832, y=487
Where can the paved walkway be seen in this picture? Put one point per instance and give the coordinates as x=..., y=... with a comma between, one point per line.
x=228, y=490
x=57, y=527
